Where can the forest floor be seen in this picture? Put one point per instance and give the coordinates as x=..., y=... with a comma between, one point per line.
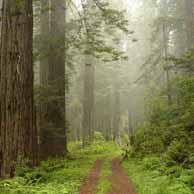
x=119, y=181
x=90, y=183
x=98, y=169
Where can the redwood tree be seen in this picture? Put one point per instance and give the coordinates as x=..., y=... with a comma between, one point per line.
x=17, y=118
x=89, y=80
x=52, y=76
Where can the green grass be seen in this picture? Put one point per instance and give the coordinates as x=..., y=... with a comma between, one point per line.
x=59, y=176
x=45, y=180
x=151, y=177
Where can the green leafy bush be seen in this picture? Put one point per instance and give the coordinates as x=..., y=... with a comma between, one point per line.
x=148, y=180
x=169, y=132
x=98, y=137
x=177, y=153
x=152, y=163
x=148, y=140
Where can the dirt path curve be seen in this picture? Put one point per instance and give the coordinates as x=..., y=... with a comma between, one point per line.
x=119, y=179
x=90, y=183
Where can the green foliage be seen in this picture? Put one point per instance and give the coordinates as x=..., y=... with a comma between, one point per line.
x=174, y=171
x=177, y=153
x=168, y=133
x=59, y=176
x=94, y=30
x=147, y=140
x=101, y=148
x=186, y=61
x=152, y=163
x=64, y=177
x=187, y=177
x=98, y=137
x=170, y=129
x=149, y=178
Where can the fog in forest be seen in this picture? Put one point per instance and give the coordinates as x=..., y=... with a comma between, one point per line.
x=96, y=96
x=121, y=81
x=109, y=95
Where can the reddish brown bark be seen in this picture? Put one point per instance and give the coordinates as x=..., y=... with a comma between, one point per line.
x=17, y=119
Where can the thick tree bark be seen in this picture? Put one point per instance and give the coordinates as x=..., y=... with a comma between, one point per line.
x=17, y=118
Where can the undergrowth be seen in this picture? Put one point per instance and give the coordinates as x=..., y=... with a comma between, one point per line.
x=151, y=176
x=168, y=132
x=59, y=176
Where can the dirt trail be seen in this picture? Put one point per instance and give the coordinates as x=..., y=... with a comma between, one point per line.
x=119, y=179
x=90, y=184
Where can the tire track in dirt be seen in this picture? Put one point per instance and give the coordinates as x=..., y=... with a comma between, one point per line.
x=119, y=179
x=91, y=181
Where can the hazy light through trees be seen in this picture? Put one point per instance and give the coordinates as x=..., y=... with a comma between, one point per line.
x=90, y=75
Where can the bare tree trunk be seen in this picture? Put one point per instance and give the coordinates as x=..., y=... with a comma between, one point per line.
x=189, y=15
x=130, y=123
x=107, y=107
x=17, y=118
x=44, y=34
x=165, y=34
x=89, y=81
x=88, y=102
x=116, y=115
x=1, y=8
x=44, y=70
x=56, y=79
x=180, y=36
x=52, y=77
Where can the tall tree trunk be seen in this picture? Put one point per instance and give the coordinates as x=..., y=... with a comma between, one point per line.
x=166, y=67
x=180, y=38
x=107, y=107
x=44, y=69
x=116, y=115
x=52, y=77
x=56, y=79
x=17, y=118
x=89, y=81
x=189, y=15
x=165, y=34
x=1, y=5
x=130, y=123
x=44, y=34
x=88, y=102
